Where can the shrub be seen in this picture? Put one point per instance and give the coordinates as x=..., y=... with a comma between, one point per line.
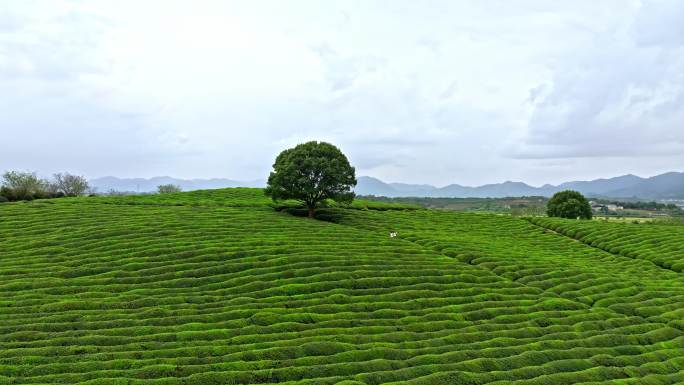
x=323, y=348
x=214, y=378
x=22, y=185
x=168, y=189
x=264, y=318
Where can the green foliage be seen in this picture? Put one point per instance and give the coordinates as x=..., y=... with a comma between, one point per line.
x=217, y=287
x=168, y=189
x=70, y=185
x=26, y=186
x=641, y=205
x=568, y=204
x=660, y=243
x=311, y=173
x=679, y=221
x=17, y=185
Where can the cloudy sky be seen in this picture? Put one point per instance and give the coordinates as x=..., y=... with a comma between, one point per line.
x=466, y=92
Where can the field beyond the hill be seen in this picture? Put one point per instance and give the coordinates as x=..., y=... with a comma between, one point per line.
x=219, y=287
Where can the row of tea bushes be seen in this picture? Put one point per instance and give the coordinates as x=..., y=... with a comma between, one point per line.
x=662, y=245
x=185, y=291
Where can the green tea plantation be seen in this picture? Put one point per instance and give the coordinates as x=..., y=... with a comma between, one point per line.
x=219, y=287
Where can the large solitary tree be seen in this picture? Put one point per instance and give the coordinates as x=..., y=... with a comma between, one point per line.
x=312, y=172
x=568, y=204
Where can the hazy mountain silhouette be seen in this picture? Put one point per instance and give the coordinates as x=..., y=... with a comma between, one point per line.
x=143, y=185
x=665, y=186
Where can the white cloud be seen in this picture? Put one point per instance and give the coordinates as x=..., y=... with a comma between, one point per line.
x=611, y=97
x=438, y=92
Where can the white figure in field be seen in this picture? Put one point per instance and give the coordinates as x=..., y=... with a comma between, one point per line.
x=393, y=234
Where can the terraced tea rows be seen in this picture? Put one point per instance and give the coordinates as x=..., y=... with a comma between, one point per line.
x=231, y=291
x=661, y=244
x=525, y=253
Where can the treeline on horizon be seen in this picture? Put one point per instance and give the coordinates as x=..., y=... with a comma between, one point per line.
x=18, y=186
x=640, y=205
x=532, y=205
x=525, y=205
x=27, y=186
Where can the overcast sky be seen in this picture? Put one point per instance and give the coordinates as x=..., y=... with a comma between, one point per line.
x=466, y=92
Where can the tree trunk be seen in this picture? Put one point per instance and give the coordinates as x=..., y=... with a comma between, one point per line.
x=311, y=212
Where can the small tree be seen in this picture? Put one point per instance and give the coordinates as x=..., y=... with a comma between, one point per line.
x=168, y=188
x=568, y=204
x=71, y=185
x=310, y=173
x=18, y=185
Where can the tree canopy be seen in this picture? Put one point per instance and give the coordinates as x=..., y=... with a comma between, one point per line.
x=311, y=173
x=70, y=185
x=168, y=188
x=19, y=185
x=568, y=204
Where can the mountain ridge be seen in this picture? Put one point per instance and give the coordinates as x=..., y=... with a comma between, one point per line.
x=146, y=185
x=669, y=185
x=664, y=186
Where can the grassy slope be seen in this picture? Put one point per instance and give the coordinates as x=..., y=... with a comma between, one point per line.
x=216, y=287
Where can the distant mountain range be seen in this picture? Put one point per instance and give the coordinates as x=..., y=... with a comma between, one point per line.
x=665, y=186
x=142, y=185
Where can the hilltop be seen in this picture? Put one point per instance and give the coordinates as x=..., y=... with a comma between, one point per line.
x=219, y=287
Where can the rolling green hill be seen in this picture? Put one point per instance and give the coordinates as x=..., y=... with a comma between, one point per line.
x=217, y=287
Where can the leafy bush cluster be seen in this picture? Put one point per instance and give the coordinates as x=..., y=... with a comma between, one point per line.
x=216, y=287
x=168, y=189
x=26, y=186
x=568, y=204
